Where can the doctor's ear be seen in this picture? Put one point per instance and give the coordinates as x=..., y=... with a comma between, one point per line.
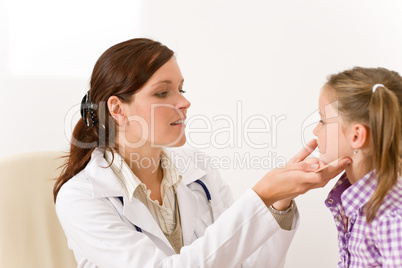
x=359, y=135
x=116, y=109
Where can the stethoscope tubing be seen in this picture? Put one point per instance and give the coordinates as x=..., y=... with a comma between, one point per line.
x=208, y=198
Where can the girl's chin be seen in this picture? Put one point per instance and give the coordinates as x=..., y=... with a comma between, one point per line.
x=325, y=159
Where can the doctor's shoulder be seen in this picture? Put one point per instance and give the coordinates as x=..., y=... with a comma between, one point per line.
x=83, y=183
x=79, y=184
x=86, y=196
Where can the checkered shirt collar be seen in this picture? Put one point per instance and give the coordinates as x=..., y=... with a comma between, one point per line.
x=358, y=194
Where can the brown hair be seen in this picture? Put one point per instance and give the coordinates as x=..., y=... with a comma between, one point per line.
x=120, y=71
x=381, y=112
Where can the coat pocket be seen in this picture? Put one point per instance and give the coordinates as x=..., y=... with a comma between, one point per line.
x=205, y=219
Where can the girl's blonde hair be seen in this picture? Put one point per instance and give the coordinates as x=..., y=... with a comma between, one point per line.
x=380, y=111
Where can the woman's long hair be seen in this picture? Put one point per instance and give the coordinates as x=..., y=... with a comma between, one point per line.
x=120, y=71
x=381, y=112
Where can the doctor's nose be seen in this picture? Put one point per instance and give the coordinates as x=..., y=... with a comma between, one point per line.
x=183, y=104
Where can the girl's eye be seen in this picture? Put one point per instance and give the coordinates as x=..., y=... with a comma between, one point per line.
x=182, y=91
x=161, y=94
x=322, y=122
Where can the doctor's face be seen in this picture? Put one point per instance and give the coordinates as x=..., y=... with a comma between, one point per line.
x=156, y=115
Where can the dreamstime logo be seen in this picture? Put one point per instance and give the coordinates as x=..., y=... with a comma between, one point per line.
x=237, y=132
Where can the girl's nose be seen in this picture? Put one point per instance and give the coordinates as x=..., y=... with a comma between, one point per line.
x=315, y=130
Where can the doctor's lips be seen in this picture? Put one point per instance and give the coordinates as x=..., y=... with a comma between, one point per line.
x=178, y=122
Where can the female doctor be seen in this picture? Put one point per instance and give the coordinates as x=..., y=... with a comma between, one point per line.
x=128, y=197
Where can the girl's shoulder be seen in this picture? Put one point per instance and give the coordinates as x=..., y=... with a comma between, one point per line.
x=392, y=204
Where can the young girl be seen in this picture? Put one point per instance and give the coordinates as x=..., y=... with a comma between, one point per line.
x=360, y=113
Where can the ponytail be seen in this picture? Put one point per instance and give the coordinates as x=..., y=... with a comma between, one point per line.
x=84, y=141
x=385, y=130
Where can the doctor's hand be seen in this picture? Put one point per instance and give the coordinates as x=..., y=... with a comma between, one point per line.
x=284, y=204
x=297, y=177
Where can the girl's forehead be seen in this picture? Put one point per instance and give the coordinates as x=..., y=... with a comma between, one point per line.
x=331, y=110
x=328, y=106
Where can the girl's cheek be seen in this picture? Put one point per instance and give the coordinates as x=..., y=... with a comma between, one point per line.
x=322, y=148
x=323, y=140
x=322, y=143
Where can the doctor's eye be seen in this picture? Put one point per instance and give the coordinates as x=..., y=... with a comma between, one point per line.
x=162, y=94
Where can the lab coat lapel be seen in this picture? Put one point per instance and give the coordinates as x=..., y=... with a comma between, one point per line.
x=105, y=184
x=188, y=207
x=137, y=213
x=188, y=203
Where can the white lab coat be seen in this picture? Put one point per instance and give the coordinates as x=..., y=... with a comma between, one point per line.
x=100, y=229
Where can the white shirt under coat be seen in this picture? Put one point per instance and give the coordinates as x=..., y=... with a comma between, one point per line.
x=101, y=232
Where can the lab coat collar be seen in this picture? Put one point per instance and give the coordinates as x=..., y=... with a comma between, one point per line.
x=138, y=214
x=105, y=184
x=102, y=177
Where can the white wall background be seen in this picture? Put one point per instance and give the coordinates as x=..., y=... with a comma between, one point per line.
x=268, y=57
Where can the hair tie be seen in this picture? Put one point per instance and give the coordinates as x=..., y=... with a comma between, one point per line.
x=87, y=107
x=376, y=86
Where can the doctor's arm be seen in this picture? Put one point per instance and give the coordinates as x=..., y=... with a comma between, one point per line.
x=273, y=251
x=100, y=238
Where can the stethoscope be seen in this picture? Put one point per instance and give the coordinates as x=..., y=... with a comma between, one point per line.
x=208, y=198
x=206, y=193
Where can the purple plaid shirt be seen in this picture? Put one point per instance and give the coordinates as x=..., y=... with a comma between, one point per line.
x=378, y=244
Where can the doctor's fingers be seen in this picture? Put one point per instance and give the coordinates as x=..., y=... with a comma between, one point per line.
x=299, y=183
x=310, y=180
x=289, y=182
x=310, y=164
x=305, y=152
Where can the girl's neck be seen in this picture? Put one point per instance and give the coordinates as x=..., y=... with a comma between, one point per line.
x=357, y=169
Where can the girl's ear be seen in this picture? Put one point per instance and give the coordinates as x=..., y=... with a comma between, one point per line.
x=359, y=135
x=116, y=109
